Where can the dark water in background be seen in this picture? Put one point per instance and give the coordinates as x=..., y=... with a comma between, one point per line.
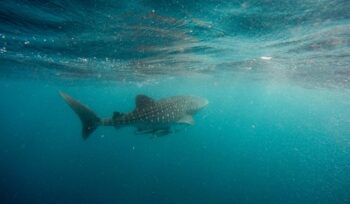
x=276, y=73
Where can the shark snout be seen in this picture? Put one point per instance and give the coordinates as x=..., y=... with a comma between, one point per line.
x=203, y=103
x=206, y=102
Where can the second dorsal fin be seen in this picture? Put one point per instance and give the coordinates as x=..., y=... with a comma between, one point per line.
x=143, y=101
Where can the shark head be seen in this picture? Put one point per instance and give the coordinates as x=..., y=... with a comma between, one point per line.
x=196, y=104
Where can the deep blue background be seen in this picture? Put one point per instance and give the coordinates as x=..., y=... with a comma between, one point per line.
x=254, y=143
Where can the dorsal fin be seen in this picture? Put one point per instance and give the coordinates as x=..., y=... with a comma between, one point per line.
x=117, y=115
x=143, y=101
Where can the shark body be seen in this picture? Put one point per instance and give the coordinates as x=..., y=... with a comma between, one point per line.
x=149, y=117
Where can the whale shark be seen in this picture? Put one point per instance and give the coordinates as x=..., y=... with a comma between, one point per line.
x=150, y=116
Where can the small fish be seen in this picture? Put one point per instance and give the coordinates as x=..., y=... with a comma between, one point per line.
x=149, y=117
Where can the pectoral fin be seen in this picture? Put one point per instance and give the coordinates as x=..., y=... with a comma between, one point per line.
x=144, y=131
x=154, y=131
x=162, y=132
x=187, y=119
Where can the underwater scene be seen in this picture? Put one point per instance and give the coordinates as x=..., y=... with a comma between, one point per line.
x=175, y=101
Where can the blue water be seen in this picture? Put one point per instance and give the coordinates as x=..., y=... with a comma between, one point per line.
x=276, y=74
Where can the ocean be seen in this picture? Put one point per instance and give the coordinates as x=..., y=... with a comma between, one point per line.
x=275, y=73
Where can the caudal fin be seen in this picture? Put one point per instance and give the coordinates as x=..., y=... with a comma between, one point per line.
x=88, y=118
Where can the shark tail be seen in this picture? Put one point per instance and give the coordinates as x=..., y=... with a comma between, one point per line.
x=88, y=118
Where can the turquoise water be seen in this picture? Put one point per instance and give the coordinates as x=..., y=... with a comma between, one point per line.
x=276, y=74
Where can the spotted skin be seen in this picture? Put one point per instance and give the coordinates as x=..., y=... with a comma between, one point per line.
x=162, y=112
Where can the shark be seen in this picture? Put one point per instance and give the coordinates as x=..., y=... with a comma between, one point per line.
x=150, y=116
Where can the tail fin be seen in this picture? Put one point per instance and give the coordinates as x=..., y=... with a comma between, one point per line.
x=88, y=118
